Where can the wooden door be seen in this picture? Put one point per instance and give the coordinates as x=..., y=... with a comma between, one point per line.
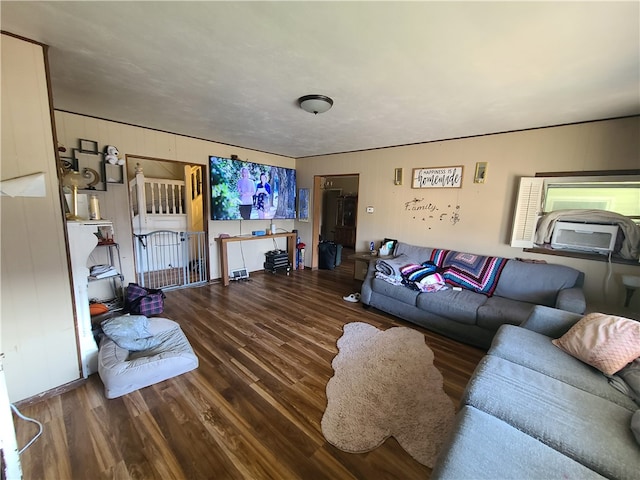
x=194, y=199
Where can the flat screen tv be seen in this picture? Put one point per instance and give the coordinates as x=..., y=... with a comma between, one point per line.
x=242, y=190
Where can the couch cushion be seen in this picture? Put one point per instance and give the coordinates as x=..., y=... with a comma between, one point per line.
x=535, y=282
x=604, y=341
x=497, y=311
x=399, y=292
x=631, y=376
x=635, y=425
x=484, y=447
x=535, y=351
x=585, y=427
x=550, y=321
x=461, y=306
x=414, y=253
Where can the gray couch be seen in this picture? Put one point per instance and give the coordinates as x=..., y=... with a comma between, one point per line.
x=472, y=317
x=531, y=411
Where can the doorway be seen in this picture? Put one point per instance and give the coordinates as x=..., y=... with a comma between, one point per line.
x=329, y=221
x=335, y=215
x=169, y=229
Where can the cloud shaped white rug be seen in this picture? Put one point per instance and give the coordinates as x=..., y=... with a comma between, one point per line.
x=385, y=384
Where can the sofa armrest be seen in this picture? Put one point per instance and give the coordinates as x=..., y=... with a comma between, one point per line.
x=571, y=300
x=365, y=291
x=550, y=321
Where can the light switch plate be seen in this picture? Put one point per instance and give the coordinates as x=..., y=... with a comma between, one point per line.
x=369, y=209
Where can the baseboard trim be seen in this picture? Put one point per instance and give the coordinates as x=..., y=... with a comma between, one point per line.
x=67, y=387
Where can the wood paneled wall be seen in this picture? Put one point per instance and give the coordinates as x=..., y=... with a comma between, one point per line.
x=38, y=334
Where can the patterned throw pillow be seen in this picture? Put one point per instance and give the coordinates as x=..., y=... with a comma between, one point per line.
x=606, y=342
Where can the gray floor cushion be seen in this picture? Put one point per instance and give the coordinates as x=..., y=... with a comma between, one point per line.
x=123, y=372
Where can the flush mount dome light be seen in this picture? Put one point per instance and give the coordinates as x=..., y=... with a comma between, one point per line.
x=315, y=103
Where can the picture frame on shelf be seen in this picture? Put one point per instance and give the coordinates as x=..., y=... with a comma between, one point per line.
x=113, y=173
x=88, y=146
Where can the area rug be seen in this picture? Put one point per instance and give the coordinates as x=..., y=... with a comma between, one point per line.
x=384, y=385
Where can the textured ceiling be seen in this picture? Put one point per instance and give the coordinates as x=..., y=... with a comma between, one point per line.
x=398, y=72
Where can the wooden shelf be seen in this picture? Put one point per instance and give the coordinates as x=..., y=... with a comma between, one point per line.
x=582, y=255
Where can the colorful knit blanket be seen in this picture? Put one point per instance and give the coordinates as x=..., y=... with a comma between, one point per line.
x=466, y=270
x=422, y=277
x=414, y=273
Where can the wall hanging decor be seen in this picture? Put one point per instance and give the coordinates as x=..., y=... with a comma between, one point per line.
x=303, y=205
x=91, y=166
x=397, y=176
x=481, y=172
x=441, y=177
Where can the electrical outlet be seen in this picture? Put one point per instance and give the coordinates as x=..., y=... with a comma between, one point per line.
x=369, y=209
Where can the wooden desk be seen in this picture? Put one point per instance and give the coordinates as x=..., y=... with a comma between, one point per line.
x=224, y=260
x=359, y=271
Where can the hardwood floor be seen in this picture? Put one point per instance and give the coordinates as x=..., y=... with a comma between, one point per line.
x=251, y=410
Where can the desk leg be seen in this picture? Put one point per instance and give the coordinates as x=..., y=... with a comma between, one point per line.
x=224, y=264
x=291, y=250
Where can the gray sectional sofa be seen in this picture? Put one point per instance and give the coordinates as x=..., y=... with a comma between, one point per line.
x=472, y=317
x=531, y=411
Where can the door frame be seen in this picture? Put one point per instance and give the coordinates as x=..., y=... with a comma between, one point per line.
x=204, y=178
x=318, y=181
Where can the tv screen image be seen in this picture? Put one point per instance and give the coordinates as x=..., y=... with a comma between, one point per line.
x=242, y=190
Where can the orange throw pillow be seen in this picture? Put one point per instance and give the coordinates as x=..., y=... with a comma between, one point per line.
x=97, y=308
x=606, y=342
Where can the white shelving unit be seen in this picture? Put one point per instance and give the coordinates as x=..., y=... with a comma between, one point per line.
x=115, y=297
x=83, y=240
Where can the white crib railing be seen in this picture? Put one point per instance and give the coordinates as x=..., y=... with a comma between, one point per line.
x=155, y=196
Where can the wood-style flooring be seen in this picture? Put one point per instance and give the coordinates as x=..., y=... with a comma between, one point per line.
x=251, y=410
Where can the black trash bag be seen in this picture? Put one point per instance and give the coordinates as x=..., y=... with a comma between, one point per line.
x=329, y=255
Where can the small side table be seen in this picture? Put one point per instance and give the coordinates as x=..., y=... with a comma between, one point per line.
x=631, y=283
x=362, y=261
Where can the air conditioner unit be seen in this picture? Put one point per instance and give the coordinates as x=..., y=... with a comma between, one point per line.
x=589, y=237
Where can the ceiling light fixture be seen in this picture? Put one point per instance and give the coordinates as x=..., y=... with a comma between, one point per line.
x=315, y=103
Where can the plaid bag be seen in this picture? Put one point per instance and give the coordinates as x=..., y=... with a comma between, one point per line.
x=143, y=301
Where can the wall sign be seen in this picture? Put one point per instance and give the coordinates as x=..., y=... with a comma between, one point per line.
x=442, y=177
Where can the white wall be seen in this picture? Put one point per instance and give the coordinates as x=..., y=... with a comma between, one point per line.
x=38, y=333
x=136, y=141
x=477, y=217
